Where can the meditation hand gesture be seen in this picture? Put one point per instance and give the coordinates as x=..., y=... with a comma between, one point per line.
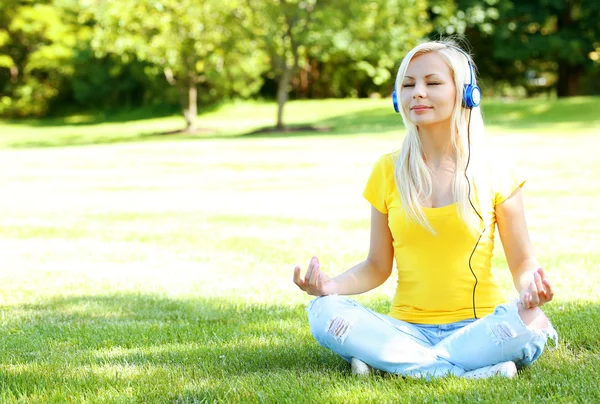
x=315, y=282
x=537, y=292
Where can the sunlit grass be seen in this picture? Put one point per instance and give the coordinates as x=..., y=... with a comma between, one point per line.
x=161, y=271
x=342, y=117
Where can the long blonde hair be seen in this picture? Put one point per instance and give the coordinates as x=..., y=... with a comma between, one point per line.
x=413, y=177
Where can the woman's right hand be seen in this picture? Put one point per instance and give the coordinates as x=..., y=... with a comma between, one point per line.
x=315, y=282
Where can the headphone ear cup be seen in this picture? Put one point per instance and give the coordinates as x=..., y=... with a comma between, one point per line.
x=395, y=101
x=471, y=96
x=476, y=96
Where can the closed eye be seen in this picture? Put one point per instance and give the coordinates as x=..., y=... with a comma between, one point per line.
x=435, y=83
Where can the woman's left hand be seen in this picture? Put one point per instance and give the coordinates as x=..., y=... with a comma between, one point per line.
x=538, y=292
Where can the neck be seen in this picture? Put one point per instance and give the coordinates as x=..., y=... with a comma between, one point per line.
x=437, y=143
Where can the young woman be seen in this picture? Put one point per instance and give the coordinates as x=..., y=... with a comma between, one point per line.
x=435, y=206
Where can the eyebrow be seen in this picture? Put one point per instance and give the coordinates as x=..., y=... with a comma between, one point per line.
x=429, y=75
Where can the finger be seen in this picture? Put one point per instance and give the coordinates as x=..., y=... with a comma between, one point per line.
x=315, y=275
x=526, y=300
x=542, y=273
x=549, y=289
x=545, y=283
x=533, y=291
x=320, y=282
x=534, y=297
x=539, y=286
x=315, y=271
x=297, y=280
x=309, y=271
x=523, y=300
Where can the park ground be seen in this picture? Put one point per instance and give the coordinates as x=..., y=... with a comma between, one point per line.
x=141, y=267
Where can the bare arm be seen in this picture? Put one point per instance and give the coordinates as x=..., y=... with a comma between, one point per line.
x=375, y=270
x=362, y=277
x=528, y=277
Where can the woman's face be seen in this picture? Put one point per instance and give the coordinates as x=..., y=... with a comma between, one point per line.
x=428, y=91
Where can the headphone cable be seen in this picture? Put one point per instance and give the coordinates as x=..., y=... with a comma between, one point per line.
x=473, y=206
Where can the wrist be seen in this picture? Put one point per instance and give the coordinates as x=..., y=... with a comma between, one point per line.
x=332, y=288
x=525, y=279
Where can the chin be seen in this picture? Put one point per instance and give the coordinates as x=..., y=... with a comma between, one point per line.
x=425, y=121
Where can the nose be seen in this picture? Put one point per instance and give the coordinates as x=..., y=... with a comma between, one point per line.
x=419, y=90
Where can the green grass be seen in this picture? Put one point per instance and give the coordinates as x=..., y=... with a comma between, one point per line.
x=344, y=117
x=159, y=270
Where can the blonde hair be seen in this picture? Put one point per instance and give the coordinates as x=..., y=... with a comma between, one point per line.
x=413, y=177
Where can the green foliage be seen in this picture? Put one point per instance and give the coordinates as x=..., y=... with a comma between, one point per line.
x=328, y=42
x=108, y=83
x=537, y=44
x=556, y=37
x=37, y=50
x=286, y=29
x=365, y=43
x=193, y=42
x=64, y=55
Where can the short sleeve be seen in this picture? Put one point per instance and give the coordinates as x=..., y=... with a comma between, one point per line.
x=507, y=179
x=376, y=189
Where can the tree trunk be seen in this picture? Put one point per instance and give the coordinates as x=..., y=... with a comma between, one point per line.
x=190, y=106
x=568, y=80
x=282, y=95
x=568, y=75
x=14, y=73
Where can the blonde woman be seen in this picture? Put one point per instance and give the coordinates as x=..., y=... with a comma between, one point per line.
x=436, y=204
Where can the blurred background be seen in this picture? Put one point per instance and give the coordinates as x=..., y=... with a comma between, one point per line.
x=61, y=57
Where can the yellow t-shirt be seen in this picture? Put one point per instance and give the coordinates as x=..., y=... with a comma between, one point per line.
x=435, y=283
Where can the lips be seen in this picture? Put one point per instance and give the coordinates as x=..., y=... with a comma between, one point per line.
x=420, y=108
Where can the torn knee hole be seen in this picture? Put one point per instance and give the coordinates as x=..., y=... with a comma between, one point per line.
x=503, y=332
x=338, y=328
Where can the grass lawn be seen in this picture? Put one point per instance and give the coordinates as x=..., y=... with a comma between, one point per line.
x=146, y=268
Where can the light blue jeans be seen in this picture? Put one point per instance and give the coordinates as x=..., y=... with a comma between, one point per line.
x=422, y=350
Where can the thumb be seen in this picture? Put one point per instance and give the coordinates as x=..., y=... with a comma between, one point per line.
x=524, y=299
x=297, y=279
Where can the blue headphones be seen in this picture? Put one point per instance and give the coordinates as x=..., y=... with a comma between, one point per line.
x=471, y=92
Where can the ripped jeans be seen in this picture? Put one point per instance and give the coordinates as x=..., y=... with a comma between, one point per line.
x=423, y=350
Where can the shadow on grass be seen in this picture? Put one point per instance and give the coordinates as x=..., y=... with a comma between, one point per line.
x=579, y=112
x=366, y=121
x=158, y=330
x=576, y=113
x=91, y=342
x=86, y=140
x=89, y=118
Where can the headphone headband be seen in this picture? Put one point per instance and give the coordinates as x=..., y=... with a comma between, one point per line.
x=471, y=91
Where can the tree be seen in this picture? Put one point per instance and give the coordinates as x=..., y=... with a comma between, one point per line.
x=36, y=53
x=558, y=35
x=365, y=41
x=283, y=28
x=7, y=12
x=513, y=39
x=365, y=37
x=193, y=42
